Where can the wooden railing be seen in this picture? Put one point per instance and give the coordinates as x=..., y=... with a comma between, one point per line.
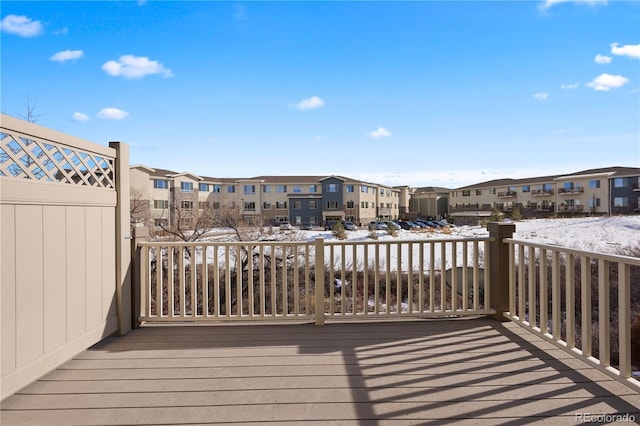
x=561, y=294
x=312, y=281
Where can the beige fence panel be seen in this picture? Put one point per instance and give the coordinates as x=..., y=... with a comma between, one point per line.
x=58, y=198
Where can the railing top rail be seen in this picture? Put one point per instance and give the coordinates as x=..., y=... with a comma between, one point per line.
x=220, y=243
x=303, y=243
x=605, y=256
x=430, y=240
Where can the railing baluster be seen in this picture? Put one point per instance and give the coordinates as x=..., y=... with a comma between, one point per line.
x=603, y=313
x=250, y=278
x=273, y=295
x=585, y=304
x=521, y=284
x=555, y=295
x=432, y=277
x=398, y=276
x=376, y=278
x=332, y=281
x=421, y=277
x=296, y=281
x=354, y=280
x=216, y=283
x=227, y=280
x=205, y=282
x=387, y=277
x=410, y=277
x=544, y=290
x=624, y=319
x=532, y=287
x=285, y=282
x=263, y=302
x=476, y=276
x=454, y=276
x=443, y=274
x=570, y=302
x=465, y=277
x=343, y=280
x=239, y=276
x=365, y=279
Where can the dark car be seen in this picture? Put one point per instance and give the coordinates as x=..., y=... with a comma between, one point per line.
x=306, y=227
x=407, y=225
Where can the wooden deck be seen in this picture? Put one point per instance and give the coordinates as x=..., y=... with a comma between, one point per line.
x=472, y=371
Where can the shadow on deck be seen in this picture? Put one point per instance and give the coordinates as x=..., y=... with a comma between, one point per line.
x=412, y=372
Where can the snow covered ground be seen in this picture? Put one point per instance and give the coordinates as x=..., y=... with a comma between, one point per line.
x=599, y=234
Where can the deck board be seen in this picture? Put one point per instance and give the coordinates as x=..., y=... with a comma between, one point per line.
x=476, y=371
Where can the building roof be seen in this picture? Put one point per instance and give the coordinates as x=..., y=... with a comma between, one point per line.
x=430, y=190
x=616, y=171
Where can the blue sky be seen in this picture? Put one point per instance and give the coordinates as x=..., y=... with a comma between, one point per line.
x=404, y=93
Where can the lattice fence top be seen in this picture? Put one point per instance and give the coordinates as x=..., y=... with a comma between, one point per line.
x=28, y=157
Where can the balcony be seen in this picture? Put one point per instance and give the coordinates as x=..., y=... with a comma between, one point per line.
x=576, y=208
x=507, y=194
x=542, y=192
x=573, y=190
x=448, y=360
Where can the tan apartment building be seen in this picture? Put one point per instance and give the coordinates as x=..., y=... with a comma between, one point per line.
x=586, y=192
x=164, y=196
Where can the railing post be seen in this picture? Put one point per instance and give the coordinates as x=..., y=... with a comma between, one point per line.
x=319, y=280
x=123, y=230
x=138, y=235
x=499, y=267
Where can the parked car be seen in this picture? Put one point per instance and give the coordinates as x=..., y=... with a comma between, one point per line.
x=444, y=223
x=285, y=226
x=306, y=227
x=350, y=226
x=328, y=225
x=408, y=225
x=377, y=226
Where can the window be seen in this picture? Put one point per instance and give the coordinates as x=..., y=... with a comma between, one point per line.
x=231, y=189
x=281, y=204
x=594, y=184
x=478, y=191
x=203, y=187
x=332, y=204
x=160, y=204
x=266, y=205
x=216, y=188
x=186, y=186
x=526, y=188
x=381, y=191
x=594, y=202
x=313, y=219
x=349, y=188
x=620, y=202
x=364, y=188
x=350, y=204
x=249, y=189
x=186, y=205
x=297, y=205
x=232, y=204
x=249, y=205
x=313, y=188
x=297, y=220
x=216, y=205
x=160, y=183
x=492, y=191
x=266, y=188
x=313, y=204
x=620, y=183
x=203, y=205
x=332, y=187
x=466, y=193
x=296, y=188
x=281, y=188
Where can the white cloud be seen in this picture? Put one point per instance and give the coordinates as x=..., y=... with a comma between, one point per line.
x=601, y=59
x=80, y=116
x=571, y=86
x=67, y=55
x=310, y=103
x=380, y=133
x=547, y=4
x=606, y=82
x=130, y=66
x=20, y=25
x=543, y=96
x=631, y=50
x=112, y=114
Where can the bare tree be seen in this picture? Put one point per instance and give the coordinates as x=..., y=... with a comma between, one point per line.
x=188, y=219
x=140, y=209
x=31, y=116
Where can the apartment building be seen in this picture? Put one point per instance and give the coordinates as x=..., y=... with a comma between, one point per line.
x=165, y=196
x=612, y=190
x=429, y=201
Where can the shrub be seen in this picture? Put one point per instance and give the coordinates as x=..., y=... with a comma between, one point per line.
x=338, y=231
